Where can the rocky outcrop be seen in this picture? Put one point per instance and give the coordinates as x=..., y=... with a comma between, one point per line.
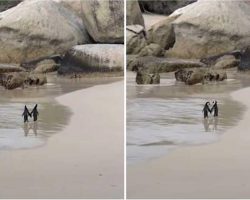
x=104, y=20
x=152, y=49
x=207, y=29
x=162, y=33
x=135, y=39
x=245, y=60
x=93, y=58
x=36, y=29
x=133, y=14
x=5, y=68
x=45, y=66
x=191, y=77
x=163, y=7
x=156, y=64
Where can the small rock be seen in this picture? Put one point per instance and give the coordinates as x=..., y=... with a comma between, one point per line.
x=45, y=66
x=14, y=80
x=145, y=78
x=36, y=79
x=227, y=61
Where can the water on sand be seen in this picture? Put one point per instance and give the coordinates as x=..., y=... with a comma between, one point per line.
x=161, y=118
x=14, y=134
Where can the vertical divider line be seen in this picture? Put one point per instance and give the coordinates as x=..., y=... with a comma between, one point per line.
x=125, y=103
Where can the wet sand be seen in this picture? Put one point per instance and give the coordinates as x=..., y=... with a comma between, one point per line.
x=218, y=170
x=85, y=160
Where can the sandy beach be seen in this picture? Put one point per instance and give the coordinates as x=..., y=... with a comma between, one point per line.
x=218, y=170
x=85, y=160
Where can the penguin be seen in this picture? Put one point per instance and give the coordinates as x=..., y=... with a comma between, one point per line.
x=26, y=114
x=35, y=113
x=215, y=109
x=206, y=109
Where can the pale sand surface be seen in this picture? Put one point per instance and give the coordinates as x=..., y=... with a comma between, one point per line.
x=85, y=160
x=219, y=170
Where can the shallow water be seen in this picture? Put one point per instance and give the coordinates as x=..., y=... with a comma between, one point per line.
x=53, y=117
x=161, y=118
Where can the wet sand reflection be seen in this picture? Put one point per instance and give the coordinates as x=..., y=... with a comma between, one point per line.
x=210, y=124
x=30, y=126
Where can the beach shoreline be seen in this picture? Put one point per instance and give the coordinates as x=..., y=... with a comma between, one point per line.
x=218, y=170
x=77, y=160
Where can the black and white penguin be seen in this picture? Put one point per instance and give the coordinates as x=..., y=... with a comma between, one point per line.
x=215, y=109
x=206, y=109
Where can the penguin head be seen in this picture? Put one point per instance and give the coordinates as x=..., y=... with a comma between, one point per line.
x=214, y=102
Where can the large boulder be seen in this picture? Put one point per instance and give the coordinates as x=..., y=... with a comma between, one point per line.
x=104, y=20
x=162, y=33
x=207, y=29
x=135, y=39
x=158, y=64
x=74, y=5
x=93, y=58
x=134, y=15
x=163, y=6
x=37, y=29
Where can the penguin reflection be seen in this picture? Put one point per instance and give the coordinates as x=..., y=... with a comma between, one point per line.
x=27, y=127
x=35, y=128
x=210, y=124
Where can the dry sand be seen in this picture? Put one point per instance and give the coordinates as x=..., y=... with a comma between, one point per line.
x=85, y=160
x=219, y=170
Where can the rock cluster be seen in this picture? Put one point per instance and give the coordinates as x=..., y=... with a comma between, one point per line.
x=191, y=77
x=191, y=36
x=40, y=35
x=20, y=79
